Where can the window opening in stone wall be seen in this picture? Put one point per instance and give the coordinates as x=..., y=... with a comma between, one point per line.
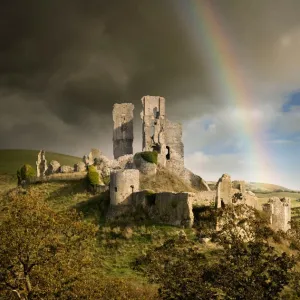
x=123, y=125
x=132, y=188
x=156, y=148
x=116, y=189
x=156, y=113
x=168, y=156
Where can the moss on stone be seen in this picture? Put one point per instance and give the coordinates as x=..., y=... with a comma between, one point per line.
x=92, y=175
x=149, y=156
x=106, y=180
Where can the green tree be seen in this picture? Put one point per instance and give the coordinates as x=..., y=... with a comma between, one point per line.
x=43, y=254
x=245, y=267
x=25, y=173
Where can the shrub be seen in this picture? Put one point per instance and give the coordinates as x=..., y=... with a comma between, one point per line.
x=106, y=179
x=93, y=175
x=26, y=172
x=149, y=156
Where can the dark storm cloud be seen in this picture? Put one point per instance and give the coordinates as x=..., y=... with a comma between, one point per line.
x=70, y=53
x=74, y=59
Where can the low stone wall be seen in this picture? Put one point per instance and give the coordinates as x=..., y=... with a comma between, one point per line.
x=58, y=177
x=204, y=198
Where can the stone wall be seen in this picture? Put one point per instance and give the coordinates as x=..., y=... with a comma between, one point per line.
x=166, y=208
x=145, y=167
x=174, y=146
x=279, y=212
x=240, y=185
x=123, y=129
x=204, y=198
x=224, y=193
x=58, y=177
x=123, y=183
x=154, y=126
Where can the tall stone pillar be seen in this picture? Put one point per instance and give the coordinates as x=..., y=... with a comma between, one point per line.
x=224, y=191
x=123, y=129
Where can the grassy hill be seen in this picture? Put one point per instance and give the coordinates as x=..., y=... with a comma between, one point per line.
x=258, y=187
x=266, y=187
x=11, y=160
x=117, y=245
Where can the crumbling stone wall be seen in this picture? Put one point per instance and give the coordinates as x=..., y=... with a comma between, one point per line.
x=126, y=162
x=166, y=208
x=204, y=198
x=80, y=167
x=94, y=154
x=58, y=177
x=279, y=212
x=224, y=193
x=174, y=147
x=123, y=183
x=123, y=129
x=145, y=167
x=154, y=126
x=240, y=185
x=247, y=197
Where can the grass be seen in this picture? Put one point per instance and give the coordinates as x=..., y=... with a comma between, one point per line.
x=264, y=197
x=164, y=181
x=11, y=160
x=115, y=250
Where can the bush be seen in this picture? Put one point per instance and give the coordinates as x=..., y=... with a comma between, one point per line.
x=149, y=156
x=106, y=179
x=93, y=175
x=26, y=172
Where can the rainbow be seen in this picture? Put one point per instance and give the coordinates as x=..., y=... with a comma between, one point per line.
x=215, y=42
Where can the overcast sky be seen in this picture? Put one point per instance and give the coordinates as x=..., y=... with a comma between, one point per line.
x=64, y=63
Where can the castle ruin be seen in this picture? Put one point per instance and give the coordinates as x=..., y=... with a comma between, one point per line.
x=125, y=170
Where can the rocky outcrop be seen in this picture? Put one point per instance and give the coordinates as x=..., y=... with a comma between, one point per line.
x=80, y=167
x=54, y=167
x=66, y=169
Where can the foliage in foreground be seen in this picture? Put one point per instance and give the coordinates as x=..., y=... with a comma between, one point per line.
x=42, y=253
x=246, y=268
x=25, y=173
x=53, y=255
x=93, y=175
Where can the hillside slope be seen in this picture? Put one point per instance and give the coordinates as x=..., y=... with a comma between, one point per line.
x=11, y=160
x=257, y=187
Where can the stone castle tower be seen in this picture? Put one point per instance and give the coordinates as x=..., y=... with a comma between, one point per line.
x=123, y=129
x=154, y=125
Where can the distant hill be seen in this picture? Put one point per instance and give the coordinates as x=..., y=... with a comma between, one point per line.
x=11, y=160
x=258, y=187
x=265, y=187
